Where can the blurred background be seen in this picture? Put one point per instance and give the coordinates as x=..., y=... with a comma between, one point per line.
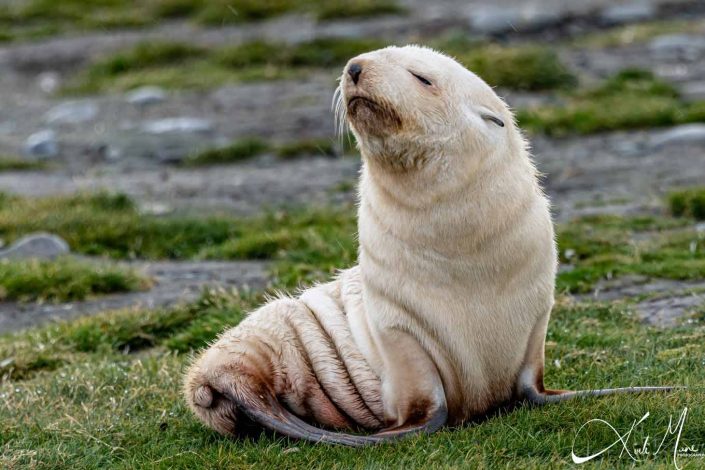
x=154, y=147
x=165, y=165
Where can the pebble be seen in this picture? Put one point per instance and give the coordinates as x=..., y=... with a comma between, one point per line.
x=37, y=245
x=628, y=13
x=673, y=47
x=42, y=144
x=494, y=20
x=72, y=112
x=145, y=96
x=685, y=134
x=48, y=82
x=693, y=91
x=178, y=124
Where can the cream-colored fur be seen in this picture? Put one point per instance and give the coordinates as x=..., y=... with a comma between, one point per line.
x=457, y=254
x=446, y=314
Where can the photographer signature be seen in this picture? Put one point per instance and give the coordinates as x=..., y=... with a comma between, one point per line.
x=637, y=451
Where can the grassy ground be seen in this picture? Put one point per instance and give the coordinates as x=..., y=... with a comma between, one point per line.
x=63, y=280
x=524, y=68
x=247, y=148
x=638, y=33
x=309, y=243
x=113, y=384
x=113, y=380
x=631, y=99
x=8, y=163
x=39, y=18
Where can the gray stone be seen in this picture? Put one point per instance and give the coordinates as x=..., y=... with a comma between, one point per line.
x=677, y=47
x=42, y=144
x=493, y=20
x=178, y=124
x=537, y=19
x=693, y=91
x=669, y=311
x=48, y=82
x=72, y=112
x=685, y=134
x=145, y=96
x=37, y=245
x=628, y=13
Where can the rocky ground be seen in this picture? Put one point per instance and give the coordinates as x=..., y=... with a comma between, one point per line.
x=129, y=143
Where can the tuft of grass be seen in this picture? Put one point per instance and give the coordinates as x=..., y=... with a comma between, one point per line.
x=519, y=68
x=175, y=8
x=221, y=12
x=632, y=99
x=145, y=55
x=110, y=225
x=181, y=329
x=688, y=203
x=19, y=164
x=306, y=147
x=306, y=244
x=237, y=151
x=177, y=65
x=637, y=33
x=63, y=280
x=40, y=18
x=602, y=247
x=342, y=9
x=328, y=52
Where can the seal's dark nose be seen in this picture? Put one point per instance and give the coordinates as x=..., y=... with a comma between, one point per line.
x=354, y=70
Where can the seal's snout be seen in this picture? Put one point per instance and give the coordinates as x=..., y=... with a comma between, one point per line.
x=355, y=70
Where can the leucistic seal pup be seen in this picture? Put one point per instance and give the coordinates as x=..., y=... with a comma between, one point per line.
x=445, y=316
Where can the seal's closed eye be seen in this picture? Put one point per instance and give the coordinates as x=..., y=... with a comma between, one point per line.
x=423, y=80
x=495, y=119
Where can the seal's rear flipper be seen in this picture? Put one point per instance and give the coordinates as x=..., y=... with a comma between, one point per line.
x=264, y=409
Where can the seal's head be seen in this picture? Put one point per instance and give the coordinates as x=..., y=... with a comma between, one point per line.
x=410, y=106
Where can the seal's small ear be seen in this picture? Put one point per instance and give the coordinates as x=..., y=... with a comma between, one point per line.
x=493, y=118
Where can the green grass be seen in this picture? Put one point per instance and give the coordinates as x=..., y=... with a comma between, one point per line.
x=307, y=147
x=343, y=9
x=237, y=151
x=305, y=244
x=40, y=18
x=312, y=243
x=247, y=148
x=636, y=33
x=529, y=68
x=519, y=68
x=178, y=65
x=63, y=280
x=632, y=99
x=602, y=247
x=8, y=163
x=688, y=203
x=113, y=382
